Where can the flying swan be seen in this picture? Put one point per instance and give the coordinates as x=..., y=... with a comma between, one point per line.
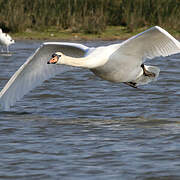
x=121, y=63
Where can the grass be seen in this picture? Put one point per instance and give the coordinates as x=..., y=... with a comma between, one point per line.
x=111, y=33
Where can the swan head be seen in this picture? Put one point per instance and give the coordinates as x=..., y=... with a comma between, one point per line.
x=11, y=41
x=55, y=58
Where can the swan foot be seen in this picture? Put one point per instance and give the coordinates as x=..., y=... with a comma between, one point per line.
x=146, y=72
x=132, y=84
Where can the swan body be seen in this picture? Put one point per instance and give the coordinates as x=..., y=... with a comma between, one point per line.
x=6, y=40
x=122, y=62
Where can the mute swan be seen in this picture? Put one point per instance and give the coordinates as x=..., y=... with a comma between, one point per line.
x=5, y=39
x=122, y=62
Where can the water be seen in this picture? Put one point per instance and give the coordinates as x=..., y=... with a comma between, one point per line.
x=77, y=126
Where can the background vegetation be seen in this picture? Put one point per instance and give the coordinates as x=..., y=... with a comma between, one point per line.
x=88, y=16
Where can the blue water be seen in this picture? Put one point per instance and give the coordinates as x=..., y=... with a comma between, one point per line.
x=77, y=126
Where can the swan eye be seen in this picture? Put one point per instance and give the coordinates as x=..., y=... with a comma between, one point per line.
x=54, y=55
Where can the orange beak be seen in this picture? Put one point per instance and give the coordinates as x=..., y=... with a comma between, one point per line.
x=53, y=60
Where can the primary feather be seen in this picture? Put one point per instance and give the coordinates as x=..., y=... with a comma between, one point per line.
x=35, y=70
x=151, y=43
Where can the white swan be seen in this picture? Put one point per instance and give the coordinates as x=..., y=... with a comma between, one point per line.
x=6, y=40
x=122, y=62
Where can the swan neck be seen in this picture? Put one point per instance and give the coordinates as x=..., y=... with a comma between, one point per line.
x=77, y=62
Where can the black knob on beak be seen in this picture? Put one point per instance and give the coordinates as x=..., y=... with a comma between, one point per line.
x=53, y=55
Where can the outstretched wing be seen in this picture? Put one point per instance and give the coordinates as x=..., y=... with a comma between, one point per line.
x=149, y=44
x=35, y=70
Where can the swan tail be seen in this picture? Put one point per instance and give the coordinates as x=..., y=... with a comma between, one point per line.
x=150, y=73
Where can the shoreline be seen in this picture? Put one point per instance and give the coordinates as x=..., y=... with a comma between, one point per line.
x=111, y=33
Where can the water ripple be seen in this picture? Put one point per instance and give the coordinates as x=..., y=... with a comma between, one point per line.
x=76, y=126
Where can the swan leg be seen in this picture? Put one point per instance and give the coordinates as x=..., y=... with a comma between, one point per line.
x=132, y=84
x=146, y=72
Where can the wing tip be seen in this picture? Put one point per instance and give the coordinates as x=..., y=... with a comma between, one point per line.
x=168, y=35
x=160, y=29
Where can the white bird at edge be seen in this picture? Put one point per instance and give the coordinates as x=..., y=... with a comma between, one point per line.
x=6, y=40
x=122, y=63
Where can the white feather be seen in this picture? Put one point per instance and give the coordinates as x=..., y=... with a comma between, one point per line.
x=35, y=70
x=151, y=43
x=124, y=64
x=116, y=63
x=6, y=39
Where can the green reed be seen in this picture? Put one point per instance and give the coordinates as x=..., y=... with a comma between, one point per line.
x=89, y=16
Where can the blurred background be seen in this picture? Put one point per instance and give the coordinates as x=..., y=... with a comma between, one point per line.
x=88, y=16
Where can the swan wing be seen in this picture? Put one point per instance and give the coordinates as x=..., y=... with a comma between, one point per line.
x=149, y=44
x=36, y=70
